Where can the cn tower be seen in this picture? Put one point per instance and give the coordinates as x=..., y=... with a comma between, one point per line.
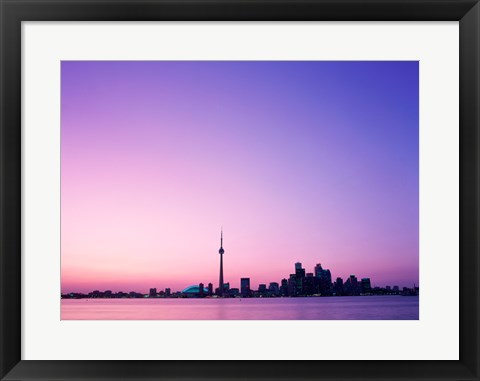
x=221, y=251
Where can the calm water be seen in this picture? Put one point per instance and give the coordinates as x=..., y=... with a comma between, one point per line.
x=334, y=308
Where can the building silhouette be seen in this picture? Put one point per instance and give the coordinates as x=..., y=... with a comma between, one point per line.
x=284, y=287
x=273, y=289
x=338, y=287
x=262, y=289
x=310, y=284
x=210, y=289
x=245, y=287
x=292, y=285
x=323, y=280
x=351, y=286
x=300, y=279
x=366, y=286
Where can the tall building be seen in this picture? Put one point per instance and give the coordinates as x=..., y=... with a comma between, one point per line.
x=300, y=278
x=210, y=289
x=327, y=279
x=245, y=287
x=292, y=285
x=324, y=280
x=353, y=280
x=221, y=251
x=318, y=270
x=274, y=289
x=262, y=289
x=338, y=287
x=284, y=287
x=309, y=286
x=351, y=286
x=153, y=292
x=366, y=286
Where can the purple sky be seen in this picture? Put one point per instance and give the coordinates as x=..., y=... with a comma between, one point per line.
x=315, y=162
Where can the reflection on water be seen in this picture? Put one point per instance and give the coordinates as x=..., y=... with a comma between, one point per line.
x=333, y=308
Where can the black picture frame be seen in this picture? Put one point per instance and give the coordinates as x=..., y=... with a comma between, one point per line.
x=13, y=12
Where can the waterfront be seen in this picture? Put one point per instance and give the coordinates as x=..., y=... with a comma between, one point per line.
x=309, y=308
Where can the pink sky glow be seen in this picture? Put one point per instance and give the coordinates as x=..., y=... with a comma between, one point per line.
x=311, y=162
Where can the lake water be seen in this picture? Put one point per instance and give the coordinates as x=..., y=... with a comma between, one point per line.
x=333, y=308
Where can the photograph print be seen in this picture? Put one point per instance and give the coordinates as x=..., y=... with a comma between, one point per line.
x=239, y=190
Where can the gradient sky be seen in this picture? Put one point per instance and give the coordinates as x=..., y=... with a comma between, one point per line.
x=315, y=162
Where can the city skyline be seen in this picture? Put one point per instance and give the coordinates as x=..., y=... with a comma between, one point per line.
x=245, y=284
x=218, y=289
x=299, y=161
x=300, y=283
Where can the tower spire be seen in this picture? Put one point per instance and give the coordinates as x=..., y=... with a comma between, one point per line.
x=221, y=251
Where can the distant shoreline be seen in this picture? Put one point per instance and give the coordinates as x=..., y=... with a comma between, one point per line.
x=67, y=297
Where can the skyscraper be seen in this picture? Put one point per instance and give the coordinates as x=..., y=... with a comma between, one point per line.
x=366, y=286
x=338, y=288
x=273, y=289
x=324, y=280
x=318, y=270
x=351, y=286
x=245, y=287
x=300, y=278
x=262, y=289
x=309, y=286
x=284, y=287
x=210, y=289
x=221, y=251
x=292, y=285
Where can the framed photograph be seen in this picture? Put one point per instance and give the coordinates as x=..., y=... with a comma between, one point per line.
x=239, y=190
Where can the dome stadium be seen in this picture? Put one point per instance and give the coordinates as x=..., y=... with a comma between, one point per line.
x=193, y=290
